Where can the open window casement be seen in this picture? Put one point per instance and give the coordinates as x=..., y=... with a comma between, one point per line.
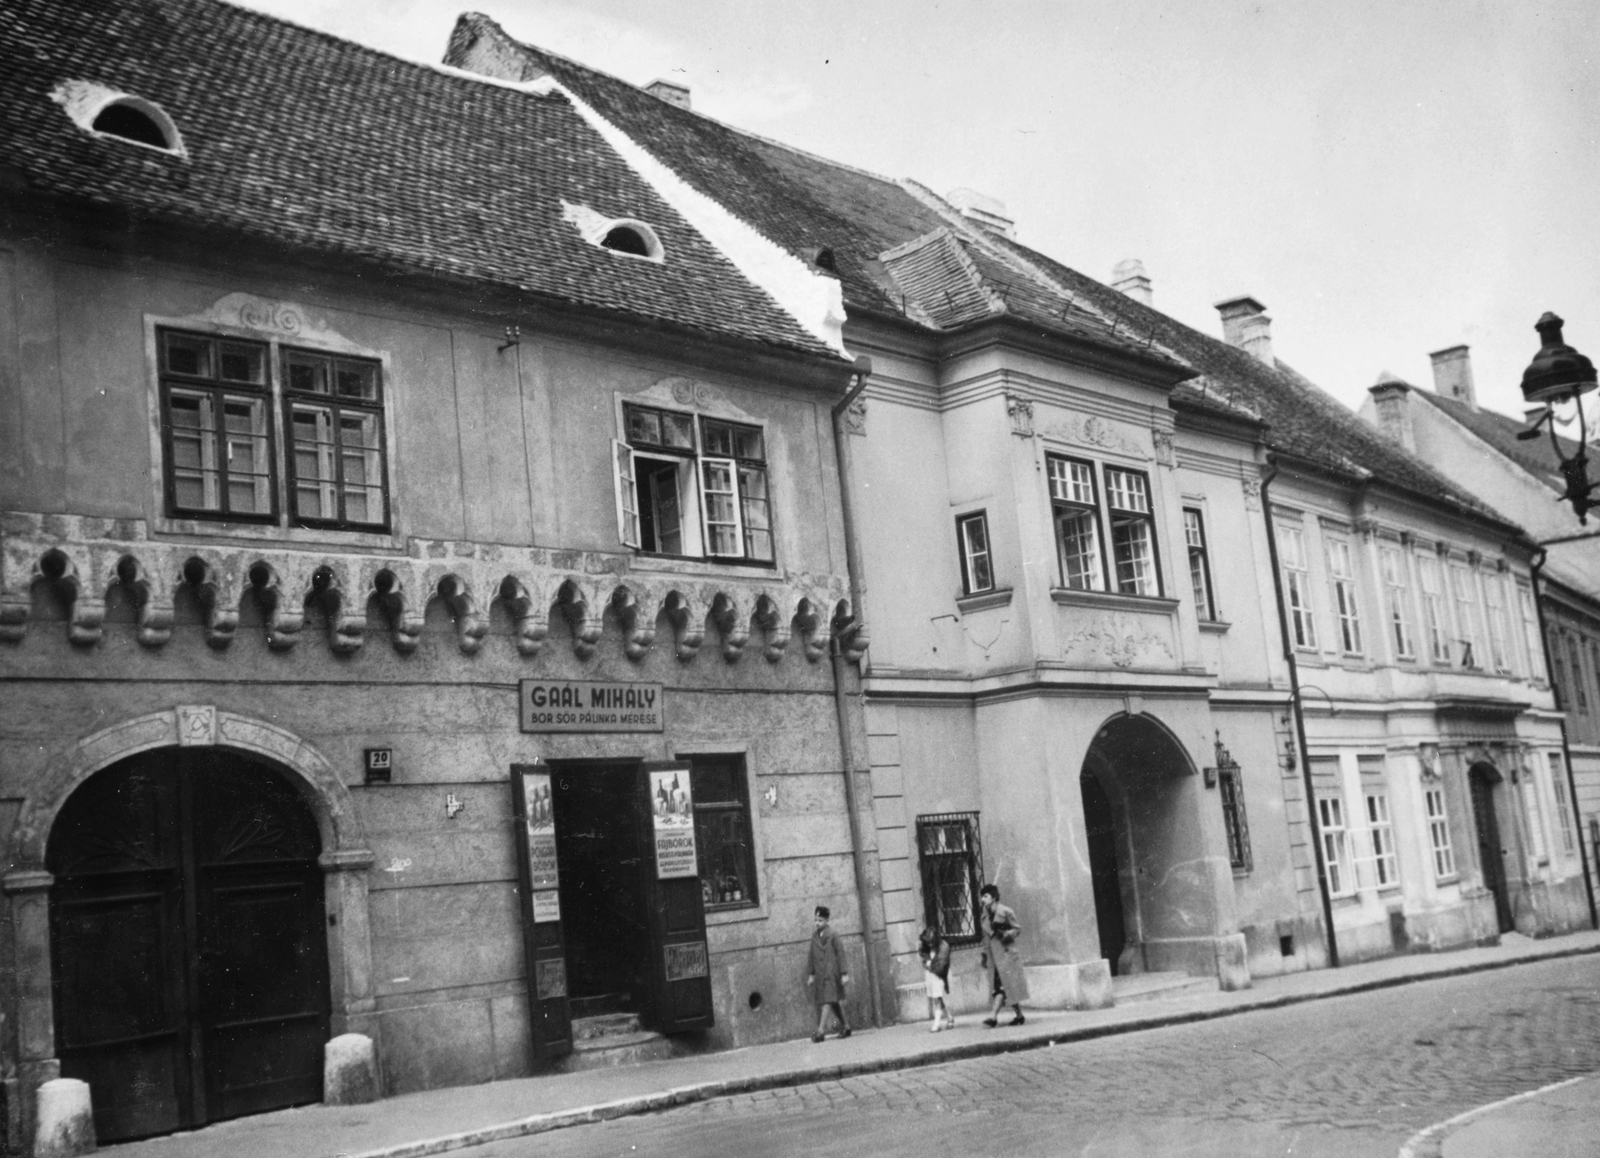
x=719, y=497
x=625, y=479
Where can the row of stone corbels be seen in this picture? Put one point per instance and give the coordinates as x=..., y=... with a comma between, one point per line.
x=286, y=583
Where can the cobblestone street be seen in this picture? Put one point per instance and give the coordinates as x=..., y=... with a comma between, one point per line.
x=1347, y=1076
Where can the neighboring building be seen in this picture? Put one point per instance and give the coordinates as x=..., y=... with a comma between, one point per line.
x=352, y=410
x=1480, y=448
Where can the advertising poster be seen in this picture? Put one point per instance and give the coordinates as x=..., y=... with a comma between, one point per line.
x=672, y=813
x=687, y=961
x=541, y=831
x=546, y=906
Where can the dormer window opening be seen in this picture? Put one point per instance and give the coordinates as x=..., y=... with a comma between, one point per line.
x=626, y=239
x=121, y=119
x=108, y=114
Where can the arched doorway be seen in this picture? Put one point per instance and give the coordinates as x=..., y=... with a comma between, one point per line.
x=1491, y=854
x=1100, y=827
x=189, y=960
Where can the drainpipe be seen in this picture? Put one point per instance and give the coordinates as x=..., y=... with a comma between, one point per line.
x=1299, y=717
x=848, y=638
x=1535, y=568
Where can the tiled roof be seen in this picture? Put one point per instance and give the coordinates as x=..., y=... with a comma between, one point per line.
x=300, y=139
x=1500, y=431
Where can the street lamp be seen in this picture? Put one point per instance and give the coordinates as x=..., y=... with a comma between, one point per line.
x=1557, y=375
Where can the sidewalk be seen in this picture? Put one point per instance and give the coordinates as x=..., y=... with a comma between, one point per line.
x=1559, y=1121
x=438, y=1121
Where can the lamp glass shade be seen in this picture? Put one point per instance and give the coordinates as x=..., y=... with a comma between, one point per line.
x=1557, y=370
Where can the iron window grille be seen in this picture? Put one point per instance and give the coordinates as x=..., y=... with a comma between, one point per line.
x=722, y=834
x=1230, y=784
x=950, y=852
x=977, y=571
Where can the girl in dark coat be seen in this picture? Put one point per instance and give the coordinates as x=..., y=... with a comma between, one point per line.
x=826, y=975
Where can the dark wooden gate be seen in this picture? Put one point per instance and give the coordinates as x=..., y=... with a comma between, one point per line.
x=189, y=958
x=680, y=971
x=1491, y=856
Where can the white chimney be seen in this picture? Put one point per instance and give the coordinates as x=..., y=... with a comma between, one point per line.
x=985, y=212
x=1389, y=399
x=1129, y=277
x=1245, y=324
x=670, y=91
x=1452, y=375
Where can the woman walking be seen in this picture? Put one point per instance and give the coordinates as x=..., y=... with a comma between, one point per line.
x=1007, y=982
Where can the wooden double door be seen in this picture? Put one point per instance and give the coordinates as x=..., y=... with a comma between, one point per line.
x=188, y=950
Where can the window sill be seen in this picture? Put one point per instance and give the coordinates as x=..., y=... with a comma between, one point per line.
x=278, y=534
x=983, y=600
x=1240, y=874
x=691, y=564
x=733, y=914
x=1215, y=626
x=1073, y=597
x=1452, y=879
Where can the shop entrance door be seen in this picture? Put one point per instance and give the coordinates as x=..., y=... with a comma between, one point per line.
x=1100, y=826
x=1491, y=856
x=188, y=954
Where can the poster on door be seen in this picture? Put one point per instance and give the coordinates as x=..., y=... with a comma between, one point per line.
x=542, y=871
x=672, y=814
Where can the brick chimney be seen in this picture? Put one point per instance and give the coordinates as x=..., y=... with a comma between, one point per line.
x=988, y=213
x=1452, y=375
x=669, y=91
x=1245, y=324
x=1389, y=399
x=1129, y=277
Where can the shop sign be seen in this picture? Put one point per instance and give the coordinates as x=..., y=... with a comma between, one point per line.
x=542, y=871
x=546, y=906
x=551, y=978
x=687, y=961
x=672, y=810
x=590, y=706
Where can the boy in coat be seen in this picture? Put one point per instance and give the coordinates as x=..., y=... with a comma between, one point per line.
x=826, y=975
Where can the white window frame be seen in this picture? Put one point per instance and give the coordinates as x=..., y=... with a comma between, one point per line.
x=1131, y=507
x=1297, y=585
x=1464, y=600
x=1435, y=615
x=1444, y=855
x=1533, y=813
x=1392, y=561
x=1335, y=846
x=971, y=553
x=1342, y=581
x=1075, y=494
x=1494, y=596
x=1558, y=791
x=1530, y=632
x=1380, y=830
x=1194, y=535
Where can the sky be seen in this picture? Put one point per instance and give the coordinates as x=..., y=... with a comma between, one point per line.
x=1389, y=178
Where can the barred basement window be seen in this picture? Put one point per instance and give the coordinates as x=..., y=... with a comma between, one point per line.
x=1230, y=785
x=950, y=853
x=722, y=832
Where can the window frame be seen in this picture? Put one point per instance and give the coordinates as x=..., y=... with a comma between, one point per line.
x=1398, y=588
x=1532, y=640
x=1580, y=685
x=1464, y=606
x=1297, y=585
x=1060, y=506
x=1444, y=854
x=218, y=389
x=1205, y=594
x=933, y=910
x=1380, y=832
x=739, y=777
x=1335, y=845
x=1533, y=815
x=968, y=554
x=1346, y=600
x=1435, y=613
x=1564, y=817
x=338, y=407
x=1129, y=515
x=1235, y=817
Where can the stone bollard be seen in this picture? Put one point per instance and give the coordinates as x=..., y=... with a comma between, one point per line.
x=349, y=1071
x=65, y=1119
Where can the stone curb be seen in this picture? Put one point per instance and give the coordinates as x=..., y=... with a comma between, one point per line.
x=784, y=1079
x=1429, y=1143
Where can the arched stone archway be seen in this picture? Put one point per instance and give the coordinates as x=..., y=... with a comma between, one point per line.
x=1158, y=858
x=345, y=859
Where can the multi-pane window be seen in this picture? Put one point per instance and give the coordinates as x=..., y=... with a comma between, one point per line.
x=972, y=537
x=1399, y=591
x=1077, y=516
x=1297, y=584
x=950, y=855
x=1133, y=535
x=216, y=407
x=219, y=433
x=1494, y=592
x=1580, y=685
x=723, y=842
x=334, y=414
x=1558, y=789
x=692, y=488
x=1385, y=870
x=1342, y=576
x=1530, y=631
x=1194, y=534
x=1444, y=857
x=1558, y=668
x=1466, y=599
x=1535, y=817
x=1434, y=622
x=1335, y=847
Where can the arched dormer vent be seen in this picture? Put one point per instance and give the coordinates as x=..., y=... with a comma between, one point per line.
x=109, y=114
x=823, y=258
x=623, y=235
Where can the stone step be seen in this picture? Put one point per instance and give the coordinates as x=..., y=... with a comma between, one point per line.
x=1159, y=987
x=621, y=1049
x=604, y=1025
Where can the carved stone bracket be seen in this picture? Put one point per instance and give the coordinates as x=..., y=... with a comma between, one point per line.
x=285, y=615
x=1162, y=440
x=768, y=619
x=151, y=593
x=725, y=614
x=332, y=592
x=637, y=617
x=808, y=617
x=529, y=616
x=855, y=417
x=216, y=591
x=679, y=610
x=1252, y=493
x=406, y=620
x=1020, y=410
x=471, y=627
x=586, y=621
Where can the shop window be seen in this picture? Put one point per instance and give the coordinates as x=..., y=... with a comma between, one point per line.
x=722, y=834
x=1230, y=786
x=977, y=571
x=334, y=415
x=1297, y=584
x=950, y=854
x=1399, y=592
x=692, y=488
x=1342, y=576
x=1194, y=534
x=1444, y=857
x=1335, y=846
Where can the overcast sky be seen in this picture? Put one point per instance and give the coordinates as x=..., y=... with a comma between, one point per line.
x=1390, y=177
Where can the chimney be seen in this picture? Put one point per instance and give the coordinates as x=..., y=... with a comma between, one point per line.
x=478, y=44
x=987, y=213
x=670, y=91
x=1452, y=375
x=1245, y=324
x=1129, y=277
x=1394, y=409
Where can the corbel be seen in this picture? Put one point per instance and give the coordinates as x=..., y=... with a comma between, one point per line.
x=808, y=618
x=151, y=593
x=851, y=632
x=471, y=627
x=679, y=609
x=767, y=618
x=213, y=591
x=529, y=615
x=725, y=614
x=586, y=625
x=285, y=616
x=636, y=612
x=347, y=616
x=406, y=620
